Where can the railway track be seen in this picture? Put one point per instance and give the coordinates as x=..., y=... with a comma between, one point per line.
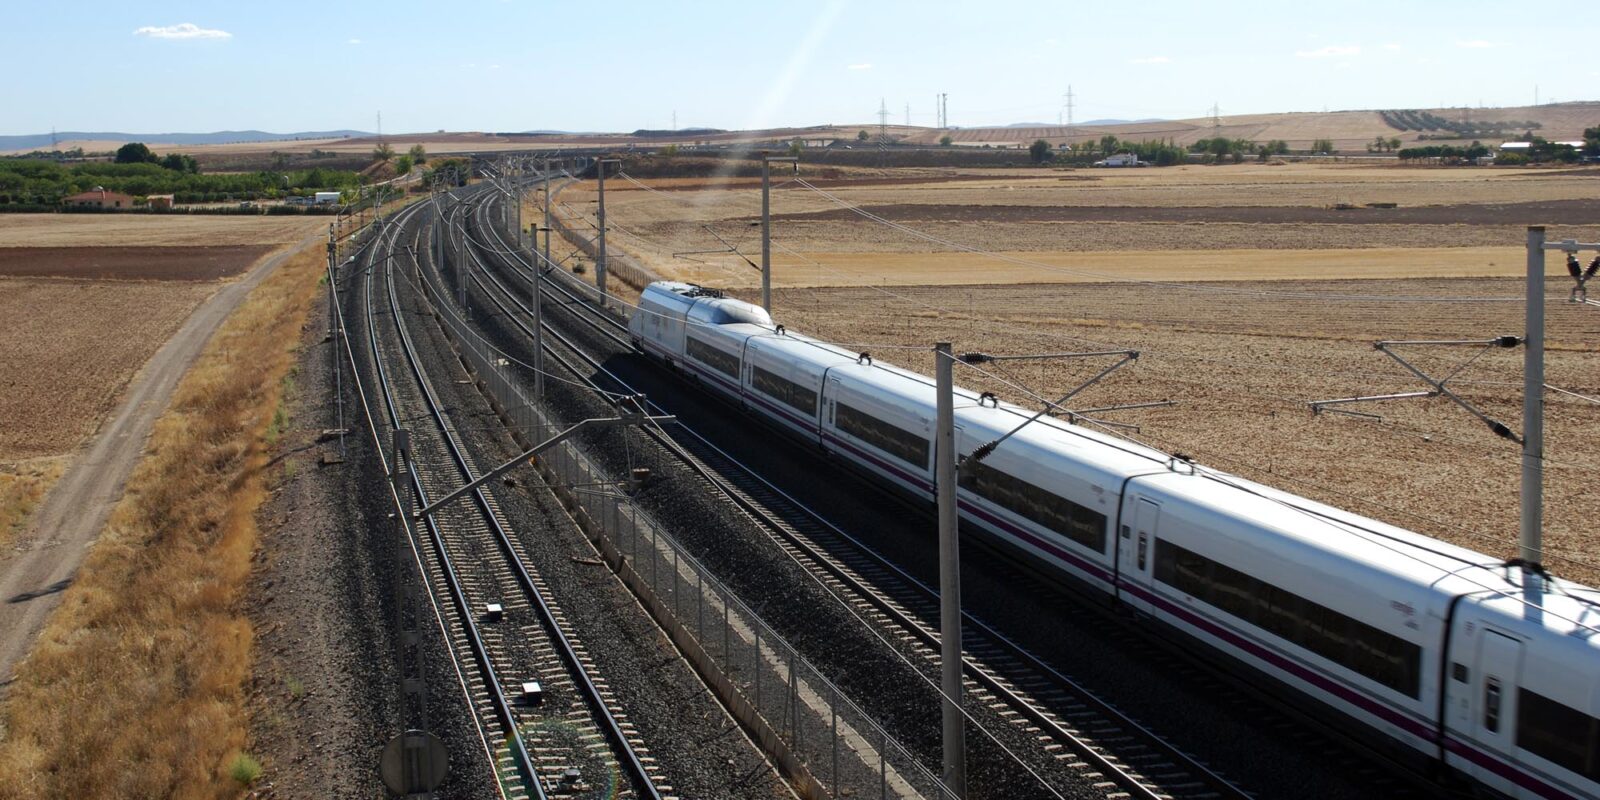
x=1075, y=733
x=557, y=733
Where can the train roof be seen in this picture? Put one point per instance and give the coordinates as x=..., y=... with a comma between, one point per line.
x=1567, y=608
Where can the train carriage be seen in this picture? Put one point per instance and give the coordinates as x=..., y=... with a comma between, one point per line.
x=880, y=420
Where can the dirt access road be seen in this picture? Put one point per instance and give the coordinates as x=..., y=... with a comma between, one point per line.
x=67, y=523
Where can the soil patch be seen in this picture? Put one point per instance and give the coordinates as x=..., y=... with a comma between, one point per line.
x=68, y=347
x=1561, y=212
x=203, y=263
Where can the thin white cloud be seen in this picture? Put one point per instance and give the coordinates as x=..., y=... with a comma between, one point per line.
x=1151, y=60
x=867, y=65
x=1331, y=51
x=1477, y=44
x=183, y=30
x=353, y=41
x=1393, y=46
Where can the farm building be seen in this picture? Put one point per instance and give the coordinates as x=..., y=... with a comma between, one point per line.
x=98, y=197
x=160, y=200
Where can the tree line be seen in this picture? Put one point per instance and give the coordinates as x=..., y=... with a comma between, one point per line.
x=40, y=182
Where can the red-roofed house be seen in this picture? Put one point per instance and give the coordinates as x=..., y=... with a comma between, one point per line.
x=98, y=197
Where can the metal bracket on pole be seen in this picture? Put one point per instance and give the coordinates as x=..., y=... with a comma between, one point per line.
x=1439, y=384
x=604, y=422
x=1580, y=274
x=983, y=451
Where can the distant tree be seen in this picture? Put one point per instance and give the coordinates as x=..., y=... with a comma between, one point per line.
x=402, y=165
x=419, y=154
x=135, y=153
x=1591, y=141
x=1108, y=144
x=796, y=146
x=1323, y=146
x=861, y=136
x=1394, y=144
x=383, y=153
x=946, y=140
x=181, y=163
x=1040, y=150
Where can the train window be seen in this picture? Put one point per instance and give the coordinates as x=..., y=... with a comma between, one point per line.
x=1491, y=704
x=725, y=363
x=1078, y=523
x=1458, y=672
x=784, y=390
x=1558, y=733
x=1369, y=651
x=902, y=444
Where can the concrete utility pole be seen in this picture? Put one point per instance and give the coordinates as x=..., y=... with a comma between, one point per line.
x=547, y=212
x=600, y=214
x=955, y=734
x=1532, y=551
x=766, y=224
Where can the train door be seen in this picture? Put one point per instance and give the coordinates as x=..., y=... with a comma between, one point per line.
x=1136, y=553
x=830, y=395
x=1498, y=673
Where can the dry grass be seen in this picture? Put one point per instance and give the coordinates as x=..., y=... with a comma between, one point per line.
x=22, y=486
x=67, y=348
x=126, y=230
x=135, y=687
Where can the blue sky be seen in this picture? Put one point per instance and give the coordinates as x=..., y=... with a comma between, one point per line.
x=518, y=64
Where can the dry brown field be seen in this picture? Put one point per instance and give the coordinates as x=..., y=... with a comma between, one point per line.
x=188, y=263
x=1349, y=130
x=154, y=230
x=85, y=300
x=68, y=347
x=1242, y=323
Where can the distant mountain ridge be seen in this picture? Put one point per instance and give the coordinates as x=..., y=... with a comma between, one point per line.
x=41, y=141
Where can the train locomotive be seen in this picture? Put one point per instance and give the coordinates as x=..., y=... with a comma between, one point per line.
x=1435, y=653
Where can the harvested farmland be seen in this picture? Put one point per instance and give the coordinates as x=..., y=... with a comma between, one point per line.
x=68, y=347
x=186, y=263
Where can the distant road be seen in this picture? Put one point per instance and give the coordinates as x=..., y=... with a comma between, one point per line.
x=69, y=520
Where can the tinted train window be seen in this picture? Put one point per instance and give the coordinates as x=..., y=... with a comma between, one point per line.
x=1370, y=651
x=898, y=442
x=1080, y=524
x=1558, y=733
x=712, y=357
x=784, y=390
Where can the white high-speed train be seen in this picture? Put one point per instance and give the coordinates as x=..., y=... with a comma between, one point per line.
x=1435, y=647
